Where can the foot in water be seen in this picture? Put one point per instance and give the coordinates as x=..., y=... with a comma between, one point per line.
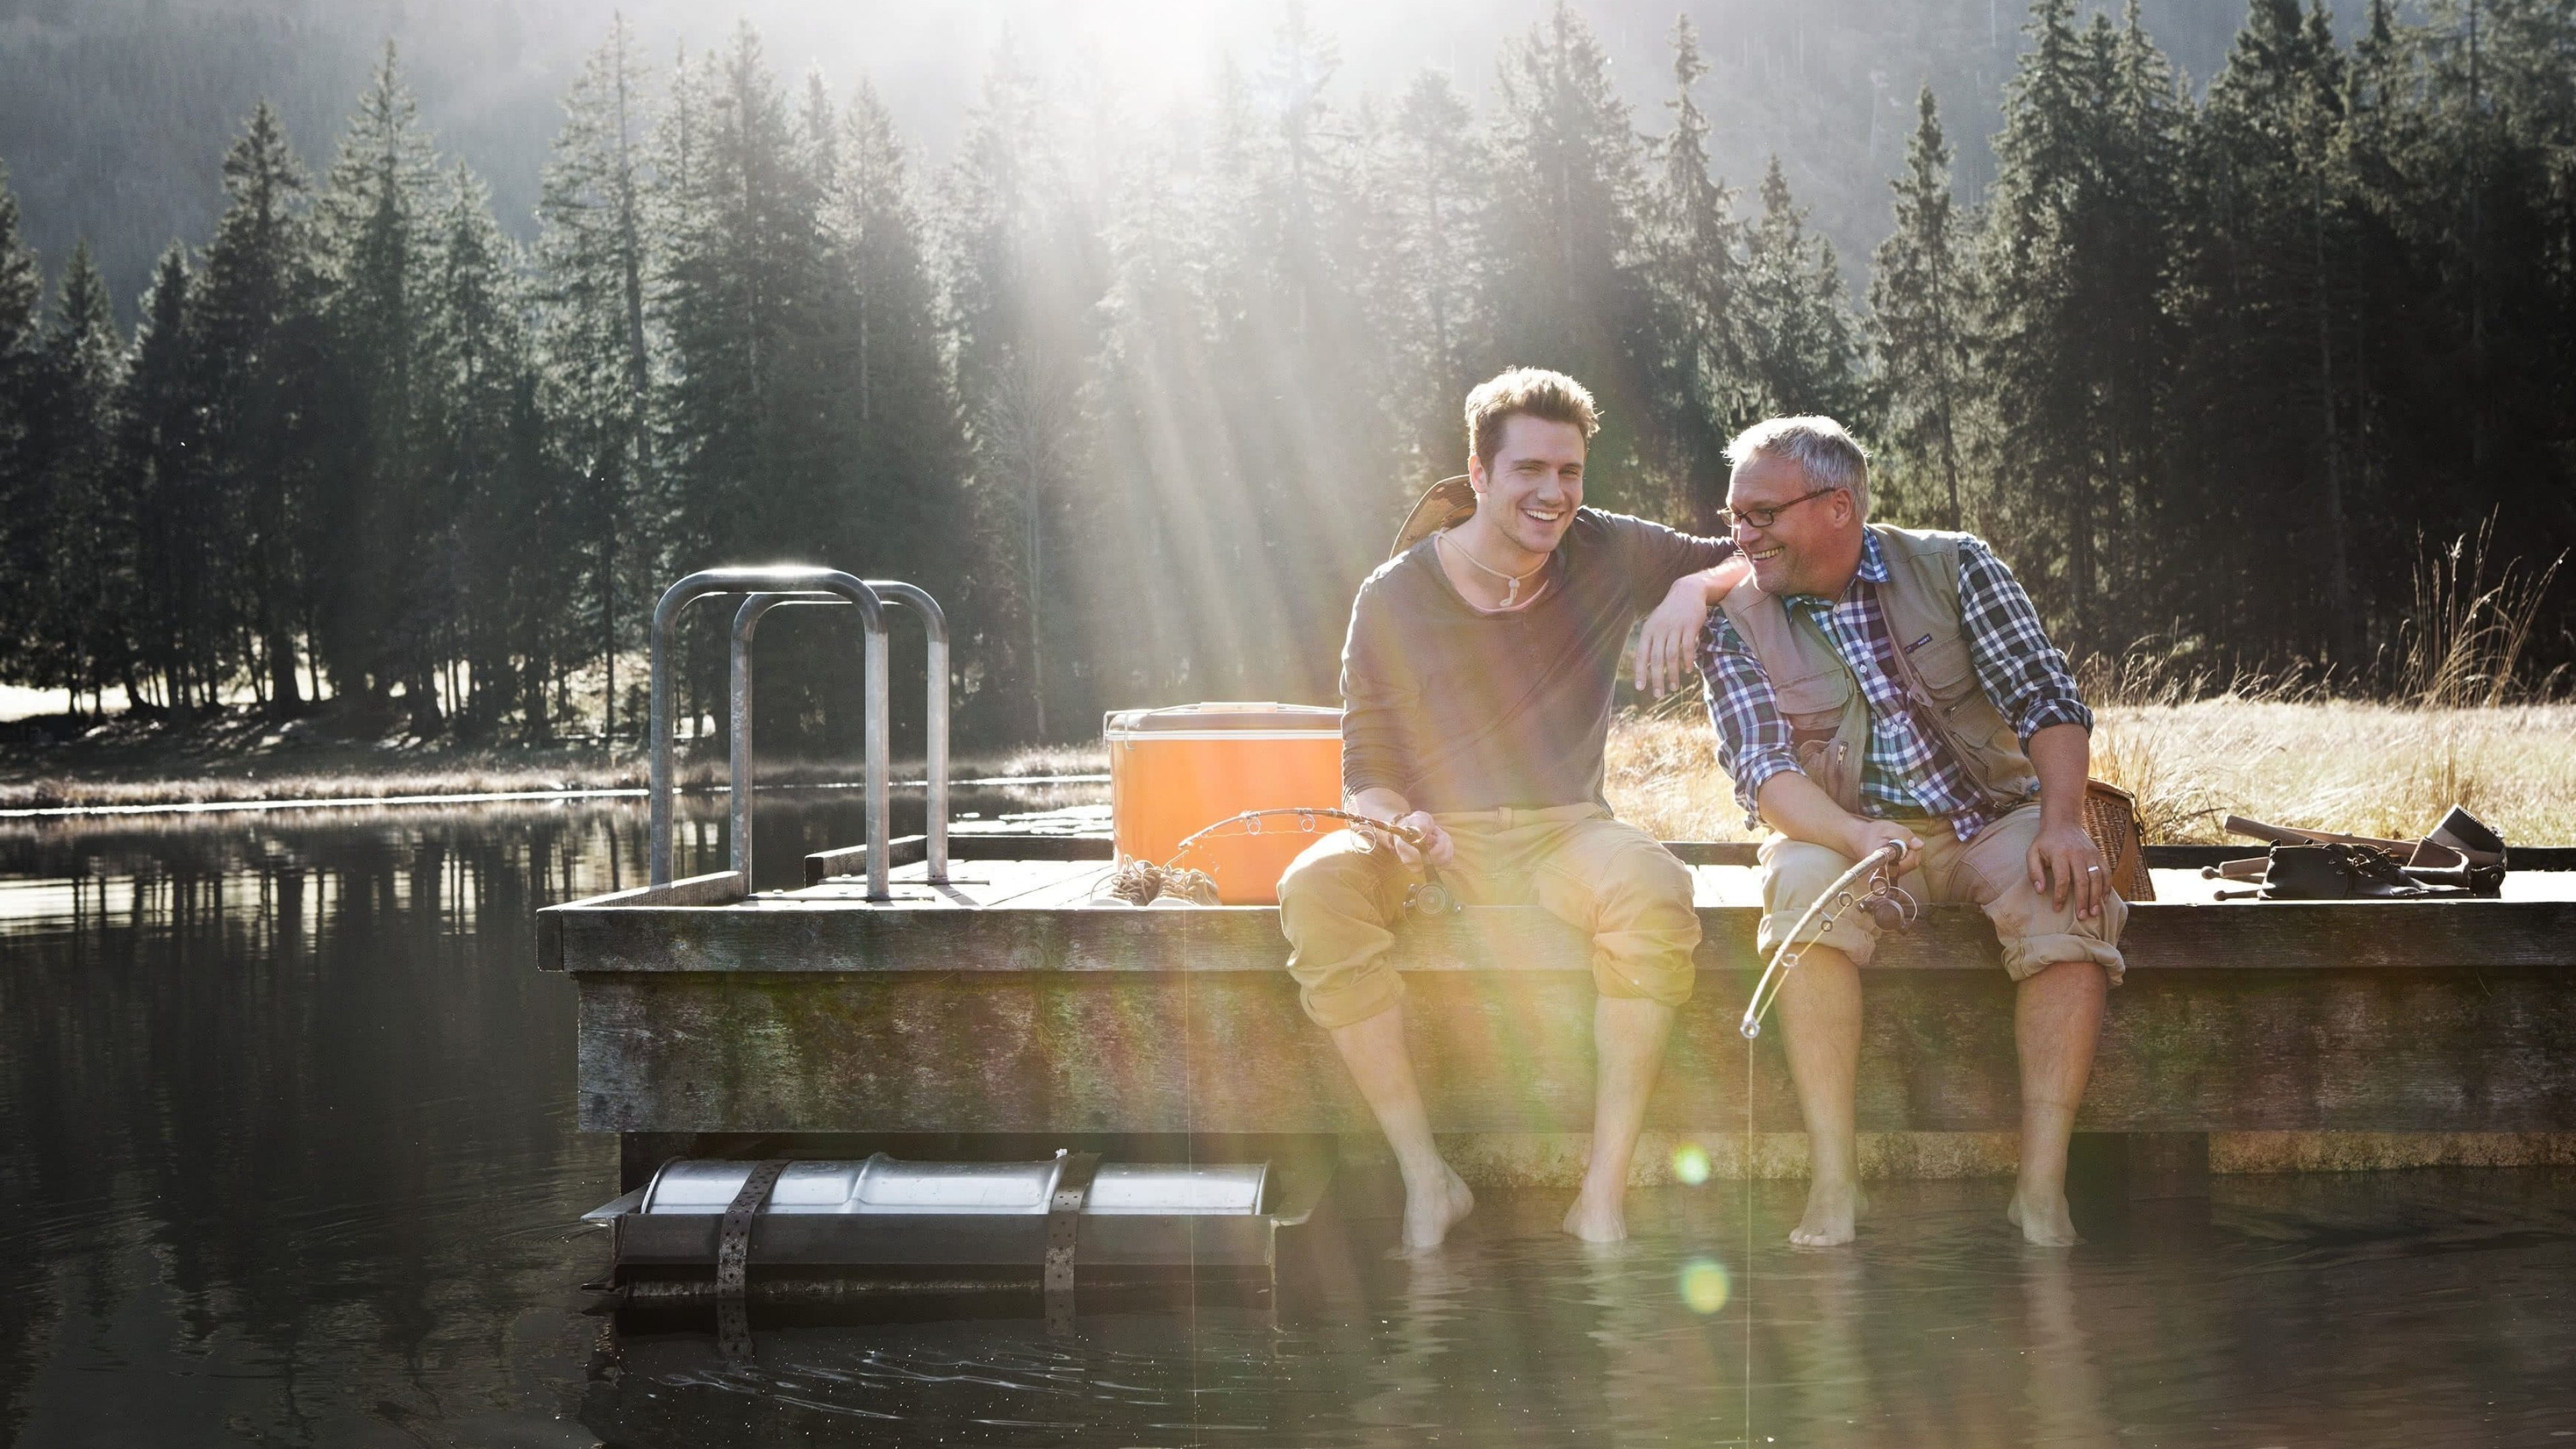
x=2043, y=1219
x=1430, y=1214
x=1598, y=1217
x=1833, y=1210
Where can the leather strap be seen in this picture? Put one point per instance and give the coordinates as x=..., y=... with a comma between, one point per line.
x=1064, y=1229
x=733, y=1257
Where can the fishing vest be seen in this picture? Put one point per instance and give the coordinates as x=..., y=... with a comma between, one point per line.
x=1824, y=705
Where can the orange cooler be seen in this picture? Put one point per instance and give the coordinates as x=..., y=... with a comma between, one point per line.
x=1176, y=771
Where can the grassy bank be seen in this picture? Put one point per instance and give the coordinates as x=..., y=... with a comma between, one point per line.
x=2368, y=769
x=2365, y=768
x=239, y=757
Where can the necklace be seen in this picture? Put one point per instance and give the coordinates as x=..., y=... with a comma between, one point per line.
x=1511, y=582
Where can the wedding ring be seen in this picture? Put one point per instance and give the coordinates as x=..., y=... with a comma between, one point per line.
x=2092, y=870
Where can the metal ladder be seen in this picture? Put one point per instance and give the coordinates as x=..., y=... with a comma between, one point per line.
x=770, y=587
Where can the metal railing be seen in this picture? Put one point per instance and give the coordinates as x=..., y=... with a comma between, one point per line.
x=934, y=622
x=776, y=579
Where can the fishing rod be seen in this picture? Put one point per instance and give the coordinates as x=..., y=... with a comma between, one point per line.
x=1838, y=896
x=1141, y=882
x=1307, y=815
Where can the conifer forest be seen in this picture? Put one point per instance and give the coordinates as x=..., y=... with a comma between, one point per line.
x=2212, y=360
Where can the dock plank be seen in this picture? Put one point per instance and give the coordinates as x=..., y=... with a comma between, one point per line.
x=800, y=933
x=2185, y=1051
x=813, y=1011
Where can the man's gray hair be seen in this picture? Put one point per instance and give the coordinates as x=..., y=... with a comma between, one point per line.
x=1830, y=456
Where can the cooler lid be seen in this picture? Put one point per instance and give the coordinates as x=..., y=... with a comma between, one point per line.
x=1224, y=717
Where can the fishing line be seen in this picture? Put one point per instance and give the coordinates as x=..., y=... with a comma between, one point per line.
x=1828, y=907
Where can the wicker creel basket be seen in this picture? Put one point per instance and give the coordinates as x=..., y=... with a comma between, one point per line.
x=2111, y=818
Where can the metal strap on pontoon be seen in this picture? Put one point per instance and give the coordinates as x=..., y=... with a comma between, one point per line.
x=733, y=1257
x=1064, y=1229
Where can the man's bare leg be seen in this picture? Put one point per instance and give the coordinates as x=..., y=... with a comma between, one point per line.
x=1628, y=1036
x=2057, y=1015
x=1435, y=1197
x=1820, y=1024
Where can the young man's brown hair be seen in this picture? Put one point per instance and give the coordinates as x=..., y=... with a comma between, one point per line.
x=1552, y=396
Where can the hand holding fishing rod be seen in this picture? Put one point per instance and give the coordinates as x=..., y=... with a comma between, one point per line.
x=1879, y=868
x=1387, y=819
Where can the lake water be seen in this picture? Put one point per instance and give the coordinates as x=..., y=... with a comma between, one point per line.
x=287, y=1157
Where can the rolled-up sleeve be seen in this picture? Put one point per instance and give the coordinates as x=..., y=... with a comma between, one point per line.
x=1753, y=741
x=1376, y=700
x=2023, y=673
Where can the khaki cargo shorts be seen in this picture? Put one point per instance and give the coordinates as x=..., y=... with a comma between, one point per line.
x=1991, y=872
x=1339, y=900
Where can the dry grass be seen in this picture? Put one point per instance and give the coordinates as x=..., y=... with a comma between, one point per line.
x=159, y=771
x=2369, y=769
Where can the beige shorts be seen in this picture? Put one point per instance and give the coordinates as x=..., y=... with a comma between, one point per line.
x=1991, y=871
x=1338, y=902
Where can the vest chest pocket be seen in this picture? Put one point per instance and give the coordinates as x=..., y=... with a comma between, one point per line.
x=1945, y=668
x=1813, y=705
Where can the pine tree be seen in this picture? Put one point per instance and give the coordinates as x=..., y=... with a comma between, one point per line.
x=2143, y=121
x=594, y=253
x=1696, y=245
x=1295, y=381
x=371, y=532
x=259, y=327
x=80, y=587
x=22, y=406
x=1920, y=316
x=1800, y=345
x=2077, y=256
x=739, y=283
x=491, y=560
x=182, y=568
x=1567, y=288
x=750, y=310
x=903, y=462
x=1022, y=281
x=1427, y=279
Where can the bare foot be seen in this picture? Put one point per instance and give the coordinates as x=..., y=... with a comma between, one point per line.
x=2044, y=1222
x=1598, y=1217
x=1428, y=1216
x=1832, y=1210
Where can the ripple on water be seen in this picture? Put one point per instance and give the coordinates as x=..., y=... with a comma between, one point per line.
x=2334, y=1314
x=287, y=1155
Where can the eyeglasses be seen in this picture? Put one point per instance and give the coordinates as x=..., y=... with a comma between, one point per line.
x=1729, y=518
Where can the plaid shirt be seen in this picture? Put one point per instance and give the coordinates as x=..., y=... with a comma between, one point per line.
x=1907, y=770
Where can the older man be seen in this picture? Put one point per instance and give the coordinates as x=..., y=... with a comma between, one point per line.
x=1872, y=684
x=1478, y=678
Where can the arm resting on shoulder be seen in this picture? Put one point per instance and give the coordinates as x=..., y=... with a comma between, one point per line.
x=1671, y=637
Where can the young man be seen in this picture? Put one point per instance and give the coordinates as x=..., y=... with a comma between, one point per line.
x=1873, y=684
x=1477, y=679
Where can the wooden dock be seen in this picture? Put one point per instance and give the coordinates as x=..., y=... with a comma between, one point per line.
x=1012, y=1001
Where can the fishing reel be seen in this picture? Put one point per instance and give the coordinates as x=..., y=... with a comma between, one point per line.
x=1428, y=897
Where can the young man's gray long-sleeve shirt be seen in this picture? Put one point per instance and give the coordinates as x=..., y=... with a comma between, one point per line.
x=1457, y=709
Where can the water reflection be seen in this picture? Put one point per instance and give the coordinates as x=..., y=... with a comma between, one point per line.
x=2173, y=1326
x=287, y=1157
